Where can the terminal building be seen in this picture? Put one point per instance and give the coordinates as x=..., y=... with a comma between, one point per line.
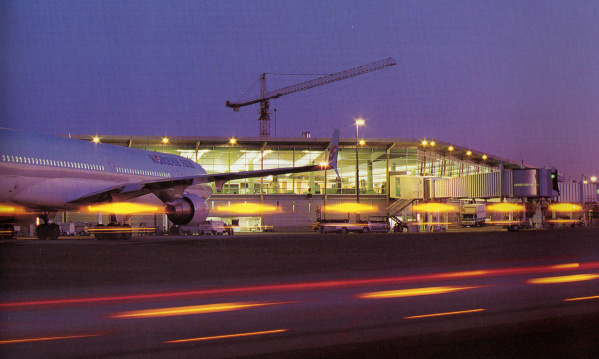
x=387, y=176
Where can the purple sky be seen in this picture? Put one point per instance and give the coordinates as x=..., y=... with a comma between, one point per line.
x=516, y=79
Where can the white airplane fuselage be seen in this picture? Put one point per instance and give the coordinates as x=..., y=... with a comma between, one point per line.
x=47, y=172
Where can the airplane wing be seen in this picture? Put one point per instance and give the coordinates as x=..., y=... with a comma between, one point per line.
x=167, y=189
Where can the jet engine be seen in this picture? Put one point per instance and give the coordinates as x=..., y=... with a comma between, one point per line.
x=189, y=210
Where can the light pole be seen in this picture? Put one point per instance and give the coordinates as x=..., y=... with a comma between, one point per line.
x=359, y=122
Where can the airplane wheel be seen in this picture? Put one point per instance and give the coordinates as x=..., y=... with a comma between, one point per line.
x=127, y=232
x=42, y=232
x=114, y=232
x=99, y=233
x=53, y=231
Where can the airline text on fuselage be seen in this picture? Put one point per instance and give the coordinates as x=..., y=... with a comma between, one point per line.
x=171, y=161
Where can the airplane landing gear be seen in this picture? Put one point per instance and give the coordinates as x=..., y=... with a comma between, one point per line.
x=47, y=231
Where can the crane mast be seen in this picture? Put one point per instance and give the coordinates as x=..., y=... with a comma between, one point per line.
x=266, y=96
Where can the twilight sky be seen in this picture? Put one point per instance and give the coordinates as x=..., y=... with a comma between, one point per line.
x=515, y=79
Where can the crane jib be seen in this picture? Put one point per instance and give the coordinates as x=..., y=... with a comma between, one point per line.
x=374, y=66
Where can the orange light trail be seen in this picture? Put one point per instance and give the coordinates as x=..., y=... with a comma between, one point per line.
x=247, y=208
x=447, y=313
x=563, y=279
x=350, y=208
x=227, y=336
x=413, y=292
x=4, y=209
x=505, y=222
x=435, y=223
x=434, y=207
x=190, y=310
x=11, y=209
x=123, y=208
x=563, y=221
x=581, y=298
x=505, y=207
x=565, y=207
x=305, y=286
x=29, y=340
x=121, y=229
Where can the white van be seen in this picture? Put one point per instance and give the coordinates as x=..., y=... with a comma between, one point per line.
x=214, y=227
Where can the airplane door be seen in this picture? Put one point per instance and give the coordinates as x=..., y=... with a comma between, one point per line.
x=109, y=166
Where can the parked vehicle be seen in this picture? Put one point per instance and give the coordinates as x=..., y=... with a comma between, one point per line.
x=344, y=226
x=473, y=215
x=214, y=227
x=72, y=229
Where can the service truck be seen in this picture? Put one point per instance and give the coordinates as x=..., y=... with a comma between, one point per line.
x=473, y=215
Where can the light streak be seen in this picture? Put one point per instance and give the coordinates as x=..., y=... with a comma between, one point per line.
x=447, y=313
x=563, y=221
x=505, y=222
x=350, y=208
x=581, y=298
x=563, y=279
x=305, y=286
x=227, y=336
x=413, y=292
x=29, y=340
x=7, y=209
x=434, y=207
x=190, y=310
x=505, y=207
x=123, y=208
x=121, y=229
x=248, y=208
x=565, y=207
x=11, y=209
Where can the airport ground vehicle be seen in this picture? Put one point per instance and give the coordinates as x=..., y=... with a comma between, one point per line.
x=473, y=215
x=344, y=226
x=72, y=229
x=208, y=227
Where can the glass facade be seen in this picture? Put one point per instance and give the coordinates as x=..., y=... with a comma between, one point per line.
x=372, y=162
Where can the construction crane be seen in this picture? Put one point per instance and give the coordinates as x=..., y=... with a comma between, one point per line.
x=266, y=96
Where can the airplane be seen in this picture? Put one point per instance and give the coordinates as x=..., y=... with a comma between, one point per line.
x=41, y=175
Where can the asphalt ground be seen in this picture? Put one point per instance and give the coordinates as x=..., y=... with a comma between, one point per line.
x=321, y=274
x=71, y=263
